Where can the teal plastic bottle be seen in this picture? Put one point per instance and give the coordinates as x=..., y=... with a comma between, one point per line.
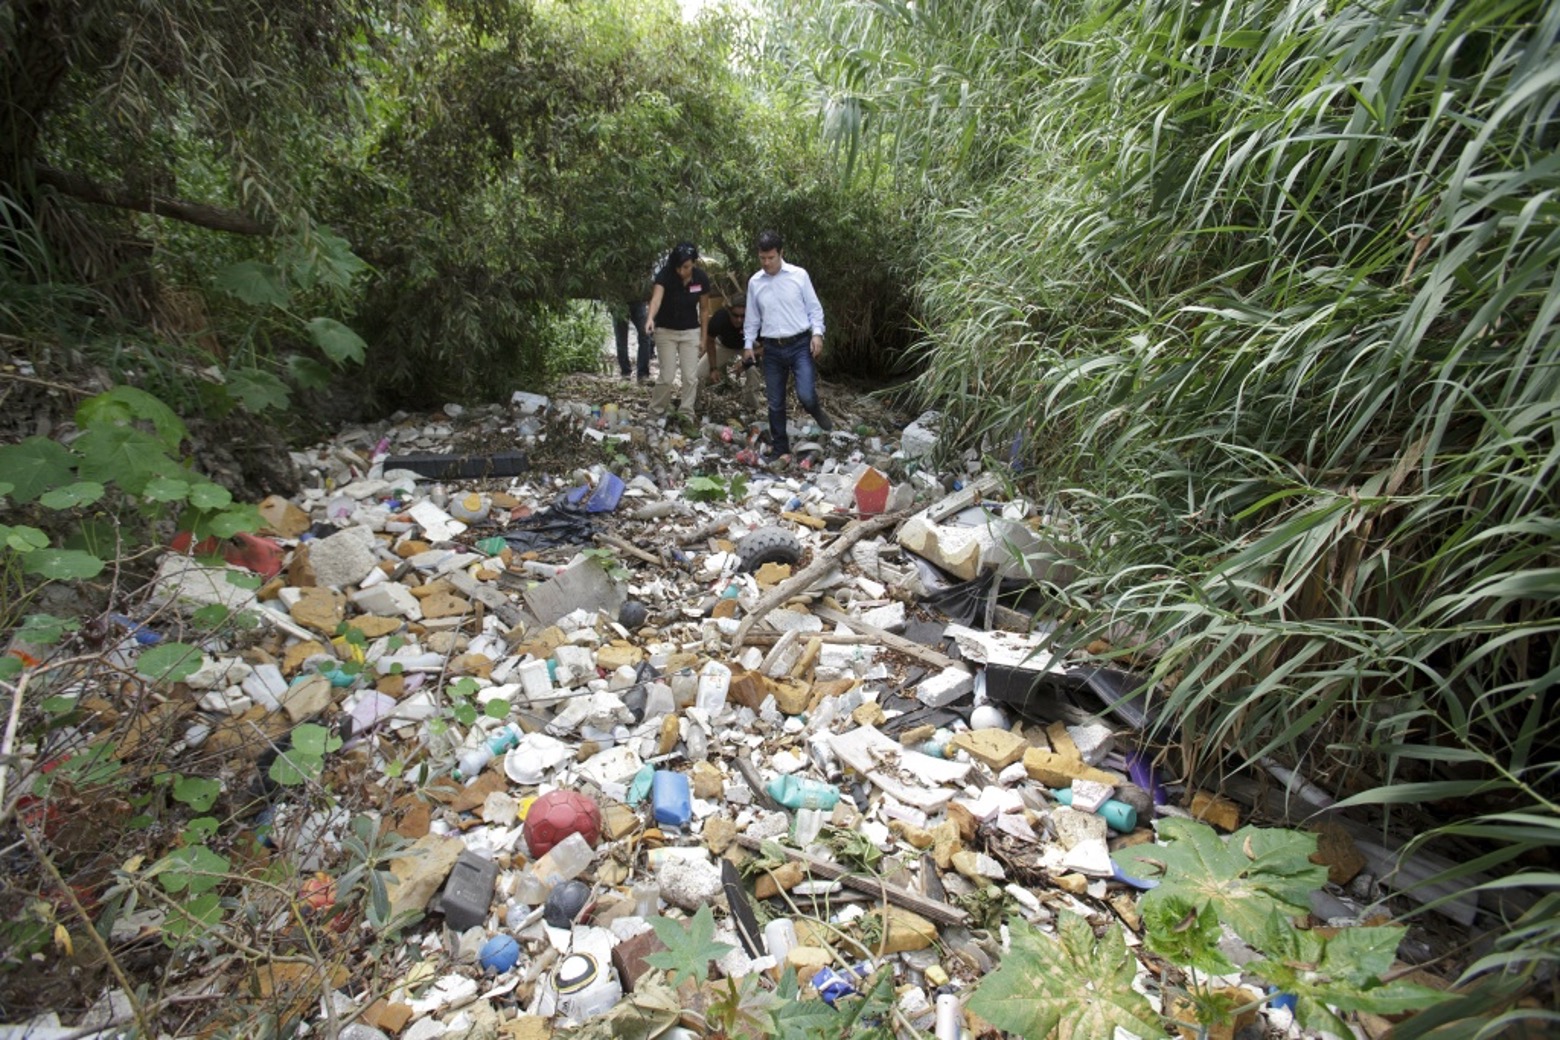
x=1119, y=816
x=803, y=793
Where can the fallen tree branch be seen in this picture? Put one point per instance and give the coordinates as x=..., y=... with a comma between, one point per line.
x=216, y=218
x=822, y=563
x=623, y=545
x=931, y=909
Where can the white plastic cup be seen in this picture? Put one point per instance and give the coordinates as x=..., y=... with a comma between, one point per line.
x=780, y=938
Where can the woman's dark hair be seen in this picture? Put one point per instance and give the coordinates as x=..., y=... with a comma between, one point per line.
x=682, y=252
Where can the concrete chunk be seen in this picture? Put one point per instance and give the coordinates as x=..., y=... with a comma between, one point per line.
x=344, y=558
x=945, y=687
x=582, y=584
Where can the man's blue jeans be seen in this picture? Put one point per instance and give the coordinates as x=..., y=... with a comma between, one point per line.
x=780, y=361
x=637, y=313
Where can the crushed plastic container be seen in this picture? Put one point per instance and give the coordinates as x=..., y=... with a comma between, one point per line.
x=872, y=492
x=670, y=798
x=607, y=494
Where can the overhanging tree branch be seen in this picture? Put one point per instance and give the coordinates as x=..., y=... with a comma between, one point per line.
x=218, y=219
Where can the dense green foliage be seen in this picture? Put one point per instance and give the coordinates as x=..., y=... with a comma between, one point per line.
x=1268, y=294
x=490, y=161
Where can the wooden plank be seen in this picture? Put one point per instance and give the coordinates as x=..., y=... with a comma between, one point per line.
x=931, y=909
x=822, y=563
x=908, y=647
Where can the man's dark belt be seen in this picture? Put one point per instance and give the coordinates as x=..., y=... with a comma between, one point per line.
x=785, y=341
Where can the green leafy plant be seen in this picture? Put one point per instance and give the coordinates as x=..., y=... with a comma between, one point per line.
x=700, y=488
x=1257, y=881
x=609, y=562
x=1243, y=879
x=689, y=950
x=853, y=848
x=304, y=761
x=1069, y=986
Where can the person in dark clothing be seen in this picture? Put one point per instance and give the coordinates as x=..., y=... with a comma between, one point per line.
x=626, y=315
x=723, y=345
x=678, y=323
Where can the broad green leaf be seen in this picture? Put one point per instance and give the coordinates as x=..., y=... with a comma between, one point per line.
x=1341, y=972
x=10, y=666
x=63, y=564
x=166, y=489
x=254, y=282
x=308, y=373
x=123, y=405
x=256, y=390
x=211, y=615
x=81, y=493
x=243, y=579
x=198, y=916
x=123, y=455
x=34, y=466
x=201, y=829
x=6, y=487
x=58, y=705
x=688, y=950
x=25, y=539
x=291, y=768
x=798, y=1019
x=313, y=739
x=169, y=662
x=1185, y=934
x=210, y=496
x=1244, y=878
x=1067, y=986
x=45, y=629
x=337, y=341
x=464, y=713
x=324, y=258
x=193, y=869
x=497, y=708
x=196, y=792
x=224, y=524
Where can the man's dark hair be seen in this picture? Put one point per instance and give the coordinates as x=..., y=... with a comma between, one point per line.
x=768, y=240
x=739, y=300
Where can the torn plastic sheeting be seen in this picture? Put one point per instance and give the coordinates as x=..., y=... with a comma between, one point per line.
x=549, y=529
x=963, y=602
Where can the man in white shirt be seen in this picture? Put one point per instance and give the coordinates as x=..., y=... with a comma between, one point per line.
x=783, y=313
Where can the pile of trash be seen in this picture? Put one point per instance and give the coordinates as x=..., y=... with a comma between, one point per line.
x=667, y=681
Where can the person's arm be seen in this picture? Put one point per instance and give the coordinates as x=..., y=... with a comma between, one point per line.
x=711, y=353
x=755, y=318
x=704, y=330
x=814, y=313
x=655, y=307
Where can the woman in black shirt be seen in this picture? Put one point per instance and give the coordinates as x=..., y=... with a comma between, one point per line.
x=678, y=324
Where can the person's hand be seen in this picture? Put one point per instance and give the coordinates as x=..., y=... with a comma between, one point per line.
x=650, y=326
x=715, y=375
x=817, y=346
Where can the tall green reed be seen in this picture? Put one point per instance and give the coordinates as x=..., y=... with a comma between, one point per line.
x=1270, y=290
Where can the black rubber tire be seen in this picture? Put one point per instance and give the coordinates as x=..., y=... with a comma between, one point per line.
x=768, y=545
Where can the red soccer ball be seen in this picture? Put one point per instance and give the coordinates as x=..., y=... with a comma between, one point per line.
x=558, y=814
